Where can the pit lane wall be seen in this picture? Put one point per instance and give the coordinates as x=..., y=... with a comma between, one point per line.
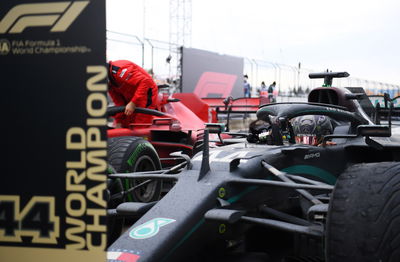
x=53, y=137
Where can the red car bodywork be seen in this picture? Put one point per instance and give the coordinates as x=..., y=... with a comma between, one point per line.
x=178, y=129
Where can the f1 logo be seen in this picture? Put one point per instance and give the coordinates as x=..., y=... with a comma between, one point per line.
x=58, y=15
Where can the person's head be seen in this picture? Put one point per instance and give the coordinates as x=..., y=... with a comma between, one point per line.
x=119, y=72
x=245, y=78
x=274, y=83
x=263, y=83
x=310, y=129
x=111, y=73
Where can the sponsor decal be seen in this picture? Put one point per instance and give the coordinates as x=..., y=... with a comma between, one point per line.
x=312, y=155
x=334, y=109
x=128, y=76
x=214, y=84
x=57, y=15
x=135, y=154
x=122, y=256
x=150, y=228
x=221, y=156
x=69, y=220
x=40, y=47
x=5, y=47
x=123, y=72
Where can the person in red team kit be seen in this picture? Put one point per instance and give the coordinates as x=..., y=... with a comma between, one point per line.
x=131, y=86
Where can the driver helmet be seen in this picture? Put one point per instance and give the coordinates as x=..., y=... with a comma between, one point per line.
x=310, y=129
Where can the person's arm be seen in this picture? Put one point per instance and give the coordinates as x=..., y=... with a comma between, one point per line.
x=140, y=98
x=142, y=82
x=118, y=100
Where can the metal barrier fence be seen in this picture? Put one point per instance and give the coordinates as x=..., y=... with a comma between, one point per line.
x=163, y=59
x=294, y=80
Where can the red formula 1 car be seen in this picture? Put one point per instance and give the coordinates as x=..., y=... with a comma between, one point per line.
x=176, y=126
x=179, y=121
x=173, y=127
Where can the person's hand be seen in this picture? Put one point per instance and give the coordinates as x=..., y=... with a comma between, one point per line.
x=130, y=108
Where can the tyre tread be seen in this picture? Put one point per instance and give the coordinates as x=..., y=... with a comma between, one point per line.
x=373, y=188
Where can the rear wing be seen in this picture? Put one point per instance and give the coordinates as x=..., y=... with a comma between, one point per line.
x=237, y=105
x=385, y=107
x=363, y=100
x=230, y=108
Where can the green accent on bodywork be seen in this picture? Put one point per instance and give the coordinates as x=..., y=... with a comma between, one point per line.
x=298, y=169
x=187, y=235
x=311, y=170
x=221, y=192
x=239, y=196
x=222, y=228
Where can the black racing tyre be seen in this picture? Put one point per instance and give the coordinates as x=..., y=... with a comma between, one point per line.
x=134, y=154
x=114, y=198
x=363, y=222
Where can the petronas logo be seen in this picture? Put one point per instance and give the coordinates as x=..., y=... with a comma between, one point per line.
x=150, y=228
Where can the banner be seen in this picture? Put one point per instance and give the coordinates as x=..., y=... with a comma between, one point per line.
x=53, y=135
x=210, y=74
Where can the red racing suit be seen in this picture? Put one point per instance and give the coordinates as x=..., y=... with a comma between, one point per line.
x=129, y=82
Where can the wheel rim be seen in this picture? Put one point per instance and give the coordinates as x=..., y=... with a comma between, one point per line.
x=146, y=192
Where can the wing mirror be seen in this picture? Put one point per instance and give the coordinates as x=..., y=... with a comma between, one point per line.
x=215, y=128
x=356, y=96
x=374, y=130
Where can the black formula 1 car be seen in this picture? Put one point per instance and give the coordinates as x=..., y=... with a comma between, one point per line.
x=268, y=197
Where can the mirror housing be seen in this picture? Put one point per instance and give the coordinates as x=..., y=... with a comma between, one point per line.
x=215, y=128
x=374, y=130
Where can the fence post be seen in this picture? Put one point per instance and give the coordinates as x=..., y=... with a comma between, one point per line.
x=152, y=55
x=142, y=43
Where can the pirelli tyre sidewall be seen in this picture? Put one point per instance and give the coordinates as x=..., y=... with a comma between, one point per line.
x=134, y=154
x=364, y=214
